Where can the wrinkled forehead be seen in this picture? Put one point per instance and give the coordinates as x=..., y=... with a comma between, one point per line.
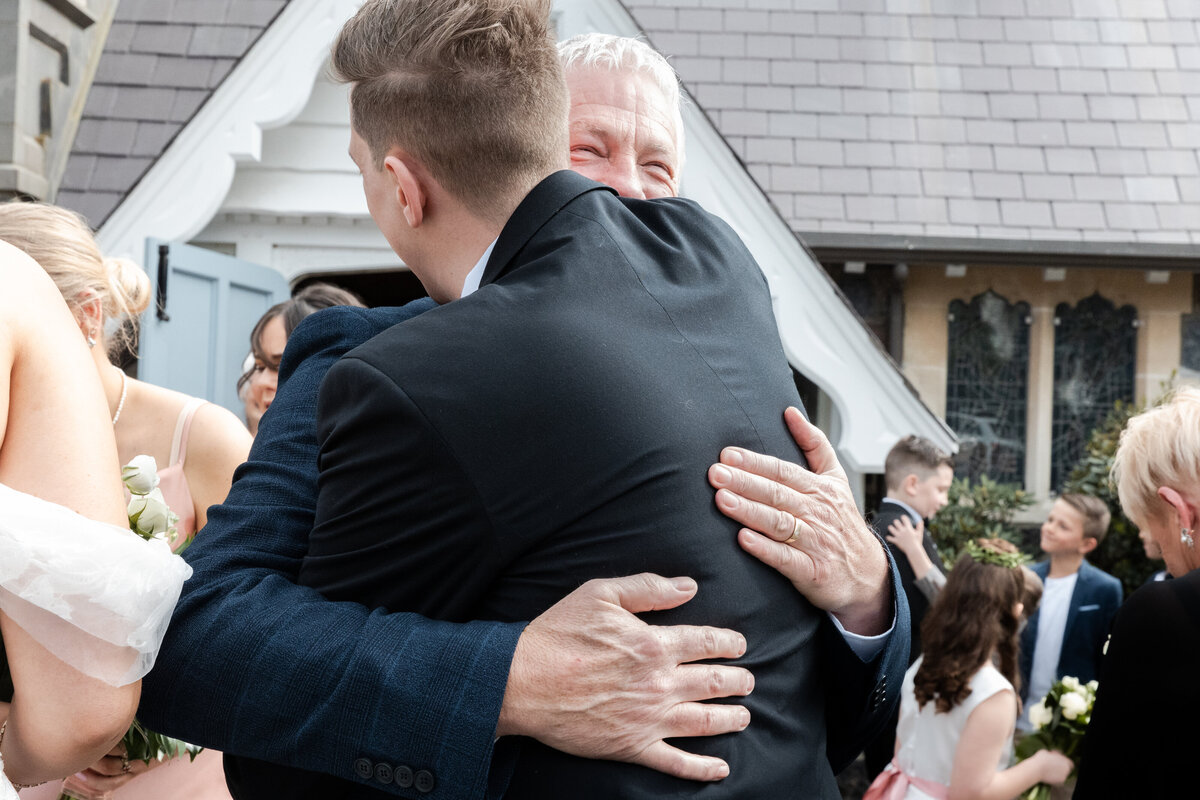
x=628, y=99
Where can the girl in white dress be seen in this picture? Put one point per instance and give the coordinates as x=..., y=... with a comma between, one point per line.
x=958, y=709
x=83, y=602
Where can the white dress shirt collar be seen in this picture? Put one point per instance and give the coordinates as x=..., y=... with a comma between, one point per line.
x=476, y=274
x=909, y=509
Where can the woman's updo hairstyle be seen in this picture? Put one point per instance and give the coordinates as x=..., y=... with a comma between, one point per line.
x=62, y=243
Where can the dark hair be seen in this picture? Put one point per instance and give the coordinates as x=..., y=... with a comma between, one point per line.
x=913, y=455
x=307, y=301
x=972, y=617
x=1096, y=515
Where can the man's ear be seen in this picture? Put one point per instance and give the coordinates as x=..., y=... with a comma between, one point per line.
x=409, y=186
x=908, y=486
x=1090, y=543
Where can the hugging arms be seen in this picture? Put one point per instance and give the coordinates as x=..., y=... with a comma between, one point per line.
x=248, y=636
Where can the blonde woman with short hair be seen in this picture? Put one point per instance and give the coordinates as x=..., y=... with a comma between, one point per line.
x=1140, y=742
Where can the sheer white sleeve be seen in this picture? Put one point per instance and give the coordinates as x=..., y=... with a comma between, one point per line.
x=97, y=596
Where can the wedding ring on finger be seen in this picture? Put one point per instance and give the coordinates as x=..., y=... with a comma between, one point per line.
x=795, y=532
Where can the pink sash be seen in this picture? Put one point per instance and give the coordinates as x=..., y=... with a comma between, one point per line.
x=893, y=783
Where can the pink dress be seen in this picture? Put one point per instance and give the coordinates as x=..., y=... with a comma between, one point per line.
x=177, y=779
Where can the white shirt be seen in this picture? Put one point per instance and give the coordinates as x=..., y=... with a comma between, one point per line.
x=1052, y=624
x=471, y=282
x=865, y=647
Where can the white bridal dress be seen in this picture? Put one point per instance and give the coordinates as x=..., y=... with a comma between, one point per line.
x=97, y=596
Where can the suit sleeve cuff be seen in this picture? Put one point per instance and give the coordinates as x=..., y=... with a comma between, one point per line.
x=865, y=647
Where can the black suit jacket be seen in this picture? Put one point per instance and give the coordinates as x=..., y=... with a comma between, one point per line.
x=1141, y=741
x=918, y=604
x=486, y=458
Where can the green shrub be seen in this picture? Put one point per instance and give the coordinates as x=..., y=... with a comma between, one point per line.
x=984, y=509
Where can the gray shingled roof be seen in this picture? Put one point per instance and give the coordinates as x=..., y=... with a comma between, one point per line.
x=162, y=61
x=1026, y=119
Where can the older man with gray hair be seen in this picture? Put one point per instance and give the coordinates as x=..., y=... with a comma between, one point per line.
x=625, y=126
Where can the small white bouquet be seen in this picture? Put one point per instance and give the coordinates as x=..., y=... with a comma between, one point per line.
x=152, y=519
x=1060, y=720
x=149, y=515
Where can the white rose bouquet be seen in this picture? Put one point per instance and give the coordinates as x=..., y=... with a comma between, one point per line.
x=149, y=515
x=152, y=519
x=1060, y=720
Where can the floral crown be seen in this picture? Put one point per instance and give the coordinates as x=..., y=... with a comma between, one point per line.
x=990, y=555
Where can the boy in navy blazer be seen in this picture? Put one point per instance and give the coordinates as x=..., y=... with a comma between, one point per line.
x=1066, y=635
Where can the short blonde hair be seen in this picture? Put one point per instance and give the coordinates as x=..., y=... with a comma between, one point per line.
x=1159, y=447
x=62, y=243
x=472, y=88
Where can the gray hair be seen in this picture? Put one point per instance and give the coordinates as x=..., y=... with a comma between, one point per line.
x=626, y=54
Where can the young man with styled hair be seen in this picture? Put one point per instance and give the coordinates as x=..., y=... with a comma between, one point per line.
x=636, y=336
x=1067, y=633
x=917, y=474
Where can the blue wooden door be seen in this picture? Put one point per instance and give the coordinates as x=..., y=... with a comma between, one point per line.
x=196, y=334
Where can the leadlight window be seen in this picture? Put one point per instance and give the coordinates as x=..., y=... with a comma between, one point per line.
x=987, y=386
x=1094, y=350
x=1190, y=333
x=1189, y=361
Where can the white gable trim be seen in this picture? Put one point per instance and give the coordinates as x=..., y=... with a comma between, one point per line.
x=822, y=337
x=184, y=188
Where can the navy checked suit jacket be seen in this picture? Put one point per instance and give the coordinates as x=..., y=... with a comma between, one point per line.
x=1094, y=603
x=256, y=665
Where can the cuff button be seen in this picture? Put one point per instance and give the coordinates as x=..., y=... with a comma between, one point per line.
x=423, y=780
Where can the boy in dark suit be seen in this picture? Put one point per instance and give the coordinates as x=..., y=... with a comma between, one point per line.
x=1066, y=636
x=918, y=476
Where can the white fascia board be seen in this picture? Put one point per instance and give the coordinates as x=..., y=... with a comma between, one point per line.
x=822, y=337
x=267, y=88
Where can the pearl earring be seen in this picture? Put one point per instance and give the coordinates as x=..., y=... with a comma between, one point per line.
x=1185, y=537
x=91, y=341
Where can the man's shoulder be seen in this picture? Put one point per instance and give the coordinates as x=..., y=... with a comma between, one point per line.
x=338, y=330
x=663, y=215
x=884, y=516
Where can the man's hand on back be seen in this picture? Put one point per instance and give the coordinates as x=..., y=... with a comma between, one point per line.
x=589, y=678
x=806, y=525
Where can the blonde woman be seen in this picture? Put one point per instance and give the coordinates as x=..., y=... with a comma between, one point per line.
x=197, y=445
x=74, y=693
x=1140, y=742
